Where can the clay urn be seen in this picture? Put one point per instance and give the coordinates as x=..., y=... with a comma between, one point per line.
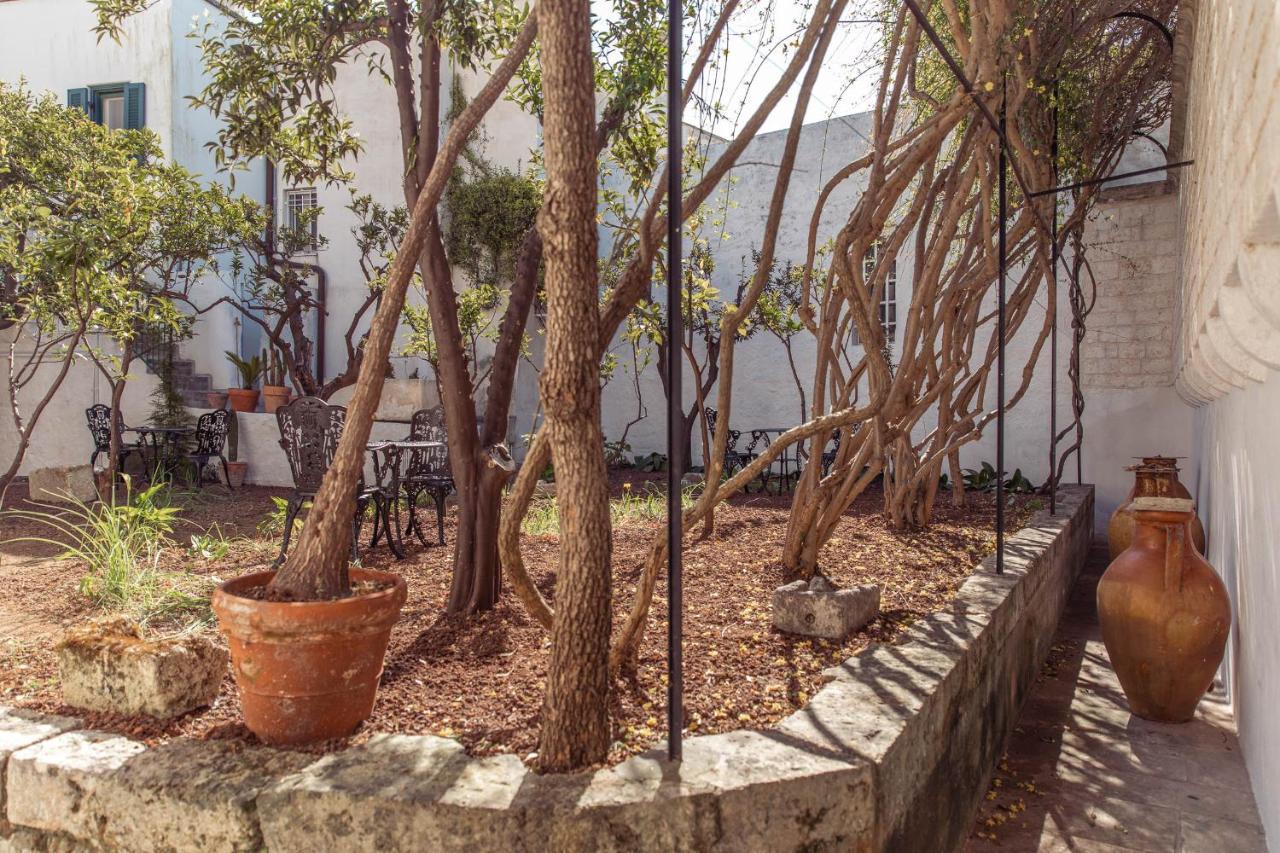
x=1164, y=612
x=1120, y=526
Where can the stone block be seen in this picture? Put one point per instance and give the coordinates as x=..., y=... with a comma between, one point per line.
x=18, y=730
x=398, y=792
x=53, y=785
x=107, y=665
x=56, y=484
x=184, y=795
x=818, y=609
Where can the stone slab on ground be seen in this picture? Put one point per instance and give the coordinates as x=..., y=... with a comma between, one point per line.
x=105, y=665
x=817, y=609
x=110, y=792
x=55, y=484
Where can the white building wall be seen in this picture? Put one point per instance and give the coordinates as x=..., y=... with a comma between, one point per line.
x=1229, y=341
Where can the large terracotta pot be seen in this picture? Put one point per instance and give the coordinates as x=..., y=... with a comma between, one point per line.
x=307, y=671
x=242, y=399
x=1164, y=613
x=1120, y=526
x=273, y=397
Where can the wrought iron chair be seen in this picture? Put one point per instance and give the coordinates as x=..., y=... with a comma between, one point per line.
x=829, y=456
x=310, y=430
x=99, y=417
x=734, y=458
x=210, y=438
x=428, y=471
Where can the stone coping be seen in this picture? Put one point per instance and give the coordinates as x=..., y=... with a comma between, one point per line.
x=893, y=753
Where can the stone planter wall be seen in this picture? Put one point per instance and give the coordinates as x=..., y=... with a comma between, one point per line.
x=893, y=754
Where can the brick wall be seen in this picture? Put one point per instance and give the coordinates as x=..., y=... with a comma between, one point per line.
x=1132, y=249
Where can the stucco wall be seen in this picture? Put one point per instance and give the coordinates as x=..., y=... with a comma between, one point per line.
x=1229, y=340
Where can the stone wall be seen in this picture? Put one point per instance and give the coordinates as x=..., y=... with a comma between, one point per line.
x=894, y=753
x=1131, y=408
x=1133, y=253
x=1227, y=118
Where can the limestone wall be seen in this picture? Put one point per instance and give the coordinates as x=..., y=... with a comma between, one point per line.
x=893, y=754
x=1227, y=118
x=1131, y=407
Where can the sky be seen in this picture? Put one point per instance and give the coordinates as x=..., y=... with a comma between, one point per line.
x=758, y=38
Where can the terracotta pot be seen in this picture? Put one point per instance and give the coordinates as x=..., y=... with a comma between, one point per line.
x=236, y=472
x=1120, y=526
x=1164, y=613
x=243, y=399
x=307, y=671
x=217, y=399
x=273, y=397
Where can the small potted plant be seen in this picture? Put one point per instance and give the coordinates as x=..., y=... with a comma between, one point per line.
x=216, y=399
x=236, y=470
x=245, y=398
x=274, y=392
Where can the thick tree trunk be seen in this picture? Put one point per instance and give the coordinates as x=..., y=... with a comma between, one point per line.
x=575, y=717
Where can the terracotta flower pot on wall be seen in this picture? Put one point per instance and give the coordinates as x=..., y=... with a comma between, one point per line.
x=1165, y=614
x=273, y=397
x=307, y=670
x=243, y=399
x=236, y=472
x=1120, y=526
x=217, y=399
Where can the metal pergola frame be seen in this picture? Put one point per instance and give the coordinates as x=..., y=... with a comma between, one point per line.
x=674, y=331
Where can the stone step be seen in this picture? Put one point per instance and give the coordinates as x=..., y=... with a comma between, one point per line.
x=197, y=382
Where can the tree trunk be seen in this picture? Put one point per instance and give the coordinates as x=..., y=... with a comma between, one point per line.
x=316, y=568
x=575, y=716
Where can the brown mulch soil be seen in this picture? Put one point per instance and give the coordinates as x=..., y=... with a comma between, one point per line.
x=480, y=678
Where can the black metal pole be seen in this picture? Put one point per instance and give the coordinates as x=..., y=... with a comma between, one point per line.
x=1000, y=330
x=675, y=397
x=1109, y=178
x=1053, y=315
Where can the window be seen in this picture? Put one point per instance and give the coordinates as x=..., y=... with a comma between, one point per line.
x=301, y=213
x=889, y=302
x=119, y=106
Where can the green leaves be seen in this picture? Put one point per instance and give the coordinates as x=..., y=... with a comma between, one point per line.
x=96, y=230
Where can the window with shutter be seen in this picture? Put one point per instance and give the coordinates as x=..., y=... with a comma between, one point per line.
x=78, y=99
x=135, y=106
x=119, y=106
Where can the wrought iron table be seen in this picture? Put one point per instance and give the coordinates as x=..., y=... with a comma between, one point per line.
x=392, y=463
x=164, y=441
x=789, y=464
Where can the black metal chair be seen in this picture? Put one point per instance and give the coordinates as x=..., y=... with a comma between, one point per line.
x=210, y=438
x=829, y=456
x=428, y=471
x=310, y=430
x=99, y=418
x=734, y=458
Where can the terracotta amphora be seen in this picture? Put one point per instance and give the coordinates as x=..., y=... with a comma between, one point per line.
x=1120, y=526
x=1164, y=613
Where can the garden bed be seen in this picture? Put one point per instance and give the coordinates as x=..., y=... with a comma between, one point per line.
x=480, y=679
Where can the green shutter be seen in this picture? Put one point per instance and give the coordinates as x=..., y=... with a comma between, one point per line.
x=78, y=99
x=135, y=106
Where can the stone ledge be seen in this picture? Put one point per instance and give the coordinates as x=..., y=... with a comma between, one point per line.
x=897, y=729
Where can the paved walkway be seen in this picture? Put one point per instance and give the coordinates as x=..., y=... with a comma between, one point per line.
x=1082, y=774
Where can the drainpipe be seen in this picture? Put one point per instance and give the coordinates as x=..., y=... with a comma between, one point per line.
x=322, y=277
